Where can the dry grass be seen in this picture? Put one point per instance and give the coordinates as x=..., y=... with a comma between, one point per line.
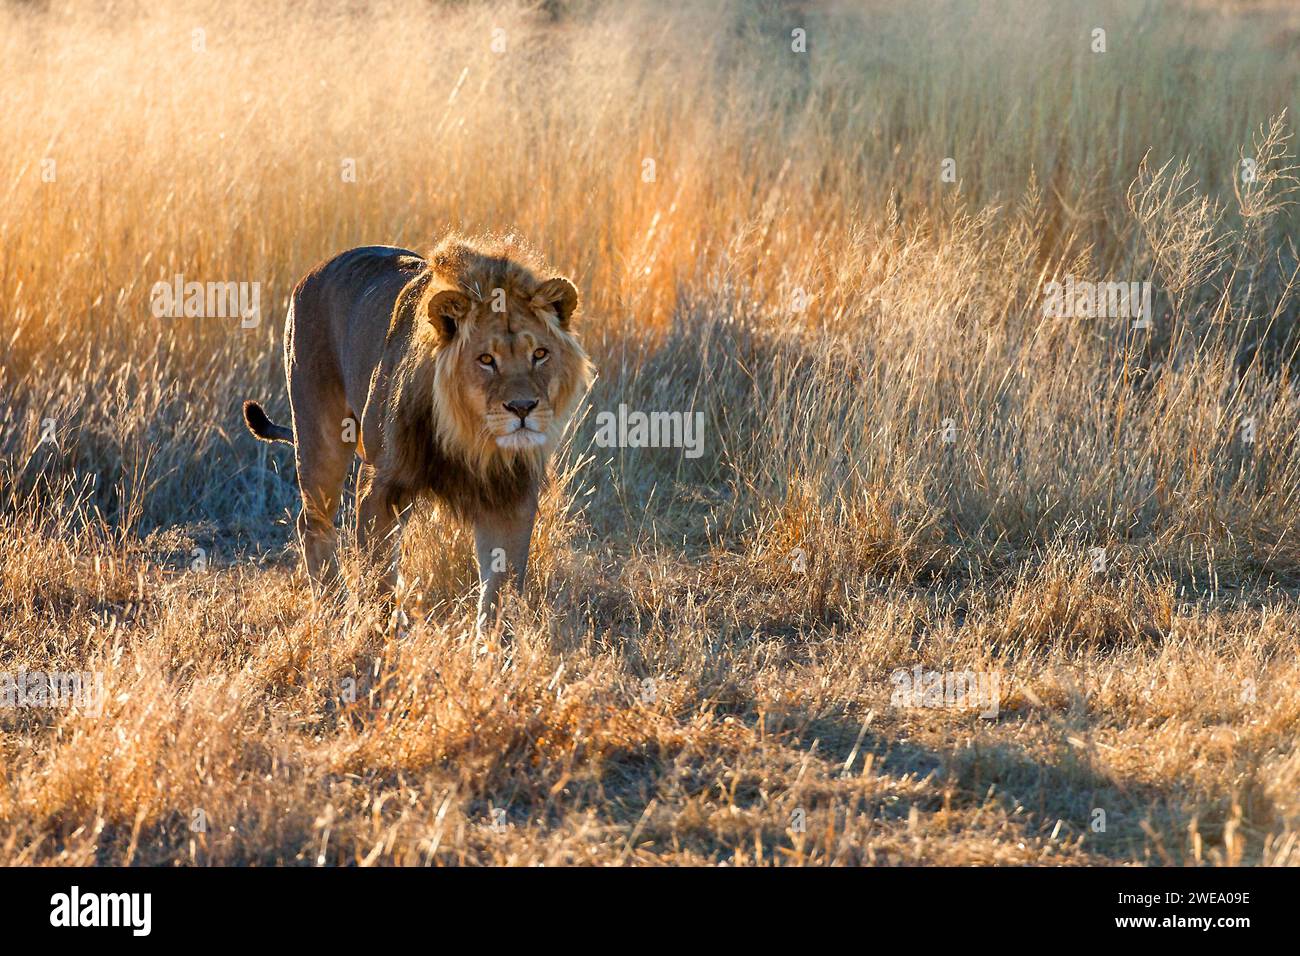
x=713, y=661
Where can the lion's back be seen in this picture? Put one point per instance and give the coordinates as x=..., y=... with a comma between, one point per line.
x=366, y=279
x=338, y=322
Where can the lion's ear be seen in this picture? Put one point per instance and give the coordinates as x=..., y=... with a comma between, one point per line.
x=558, y=294
x=446, y=309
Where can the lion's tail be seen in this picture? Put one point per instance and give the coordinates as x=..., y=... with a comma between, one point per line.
x=262, y=427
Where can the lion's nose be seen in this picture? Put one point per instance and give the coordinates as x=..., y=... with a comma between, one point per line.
x=521, y=406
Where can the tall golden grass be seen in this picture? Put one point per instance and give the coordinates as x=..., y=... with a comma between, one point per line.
x=906, y=462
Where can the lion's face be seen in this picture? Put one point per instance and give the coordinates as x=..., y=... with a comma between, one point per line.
x=510, y=371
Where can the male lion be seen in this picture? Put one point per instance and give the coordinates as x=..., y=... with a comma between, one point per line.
x=461, y=371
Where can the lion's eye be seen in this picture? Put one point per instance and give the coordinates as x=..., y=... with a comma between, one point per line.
x=539, y=354
x=486, y=360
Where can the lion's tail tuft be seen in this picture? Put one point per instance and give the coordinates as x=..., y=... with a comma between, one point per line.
x=262, y=427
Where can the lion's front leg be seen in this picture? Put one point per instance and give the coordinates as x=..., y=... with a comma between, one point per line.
x=379, y=528
x=501, y=545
